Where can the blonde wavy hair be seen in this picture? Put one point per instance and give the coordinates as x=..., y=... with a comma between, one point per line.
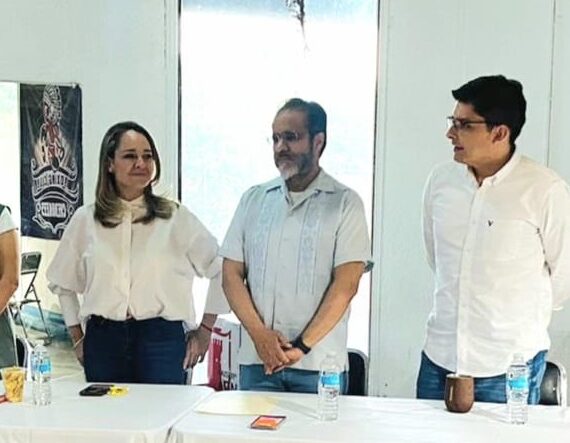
x=108, y=208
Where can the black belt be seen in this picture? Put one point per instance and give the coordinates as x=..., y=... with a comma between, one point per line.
x=99, y=320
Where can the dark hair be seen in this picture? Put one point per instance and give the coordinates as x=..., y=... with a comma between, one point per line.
x=500, y=101
x=314, y=113
x=108, y=208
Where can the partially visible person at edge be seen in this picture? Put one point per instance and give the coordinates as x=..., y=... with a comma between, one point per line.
x=497, y=234
x=133, y=256
x=9, y=279
x=293, y=257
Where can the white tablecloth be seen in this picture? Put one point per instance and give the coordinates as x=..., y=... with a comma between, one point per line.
x=146, y=414
x=372, y=419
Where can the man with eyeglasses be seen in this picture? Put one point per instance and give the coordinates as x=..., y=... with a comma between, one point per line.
x=497, y=234
x=293, y=257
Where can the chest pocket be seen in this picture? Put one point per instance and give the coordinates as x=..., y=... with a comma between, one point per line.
x=506, y=240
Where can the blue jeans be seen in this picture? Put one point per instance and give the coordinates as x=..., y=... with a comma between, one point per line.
x=431, y=382
x=253, y=378
x=131, y=351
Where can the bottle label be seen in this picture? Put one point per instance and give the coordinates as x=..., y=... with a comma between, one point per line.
x=44, y=367
x=330, y=380
x=518, y=382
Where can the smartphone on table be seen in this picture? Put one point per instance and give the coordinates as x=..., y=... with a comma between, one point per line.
x=95, y=390
x=267, y=422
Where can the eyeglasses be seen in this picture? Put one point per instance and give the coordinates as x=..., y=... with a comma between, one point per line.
x=286, y=137
x=462, y=123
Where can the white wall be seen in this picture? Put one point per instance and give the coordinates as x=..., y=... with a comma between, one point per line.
x=559, y=153
x=124, y=56
x=426, y=49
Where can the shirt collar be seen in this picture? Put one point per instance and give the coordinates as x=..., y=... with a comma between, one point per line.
x=135, y=208
x=323, y=182
x=500, y=175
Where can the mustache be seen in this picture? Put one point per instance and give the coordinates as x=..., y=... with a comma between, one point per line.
x=284, y=157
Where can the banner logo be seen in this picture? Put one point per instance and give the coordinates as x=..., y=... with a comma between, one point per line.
x=53, y=179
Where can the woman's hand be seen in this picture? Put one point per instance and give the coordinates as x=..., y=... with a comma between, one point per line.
x=196, y=347
x=78, y=348
x=76, y=334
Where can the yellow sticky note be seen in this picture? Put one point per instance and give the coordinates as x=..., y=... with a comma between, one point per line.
x=118, y=391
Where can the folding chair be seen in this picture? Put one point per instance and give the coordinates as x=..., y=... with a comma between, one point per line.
x=554, y=385
x=29, y=267
x=357, y=372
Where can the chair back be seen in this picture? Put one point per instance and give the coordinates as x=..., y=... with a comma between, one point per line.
x=357, y=372
x=554, y=385
x=30, y=262
x=29, y=265
x=21, y=351
x=26, y=293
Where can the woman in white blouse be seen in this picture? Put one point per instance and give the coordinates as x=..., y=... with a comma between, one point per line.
x=133, y=256
x=9, y=277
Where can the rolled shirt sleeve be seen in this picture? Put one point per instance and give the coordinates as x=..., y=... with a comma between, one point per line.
x=69, y=303
x=66, y=272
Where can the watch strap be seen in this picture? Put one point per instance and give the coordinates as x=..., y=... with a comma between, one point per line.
x=298, y=343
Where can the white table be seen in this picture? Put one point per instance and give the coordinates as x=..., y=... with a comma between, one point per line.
x=373, y=419
x=146, y=414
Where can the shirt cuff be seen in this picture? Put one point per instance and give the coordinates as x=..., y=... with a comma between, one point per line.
x=69, y=308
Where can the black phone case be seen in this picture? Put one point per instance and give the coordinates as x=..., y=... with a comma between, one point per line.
x=95, y=390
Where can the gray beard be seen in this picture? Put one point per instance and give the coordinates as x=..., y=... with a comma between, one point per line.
x=288, y=171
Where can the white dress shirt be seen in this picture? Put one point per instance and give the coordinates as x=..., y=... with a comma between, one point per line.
x=145, y=270
x=500, y=253
x=290, y=248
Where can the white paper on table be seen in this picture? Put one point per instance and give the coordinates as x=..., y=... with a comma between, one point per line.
x=236, y=403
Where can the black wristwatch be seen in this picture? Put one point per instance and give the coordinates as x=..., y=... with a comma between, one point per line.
x=298, y=343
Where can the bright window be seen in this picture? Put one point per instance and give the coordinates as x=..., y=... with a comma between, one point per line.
x=240, y=62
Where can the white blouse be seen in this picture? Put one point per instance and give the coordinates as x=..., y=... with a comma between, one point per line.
x=145, y=270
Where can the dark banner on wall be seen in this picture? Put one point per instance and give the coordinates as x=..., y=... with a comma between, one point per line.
x=51, y=173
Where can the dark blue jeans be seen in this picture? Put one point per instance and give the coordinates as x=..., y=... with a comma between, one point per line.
x=253, y=378
x=431, y=382
x=131, y=351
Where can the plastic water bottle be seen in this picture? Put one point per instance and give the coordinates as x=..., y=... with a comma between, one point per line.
x=41, y=375
x=517, y=390
x=329, y=388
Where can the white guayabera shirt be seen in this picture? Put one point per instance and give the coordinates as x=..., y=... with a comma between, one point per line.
x=290, y=249
x=500, y=253
x=145, y=270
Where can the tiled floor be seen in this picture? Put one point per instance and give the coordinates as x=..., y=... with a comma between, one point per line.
x=63, y=359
